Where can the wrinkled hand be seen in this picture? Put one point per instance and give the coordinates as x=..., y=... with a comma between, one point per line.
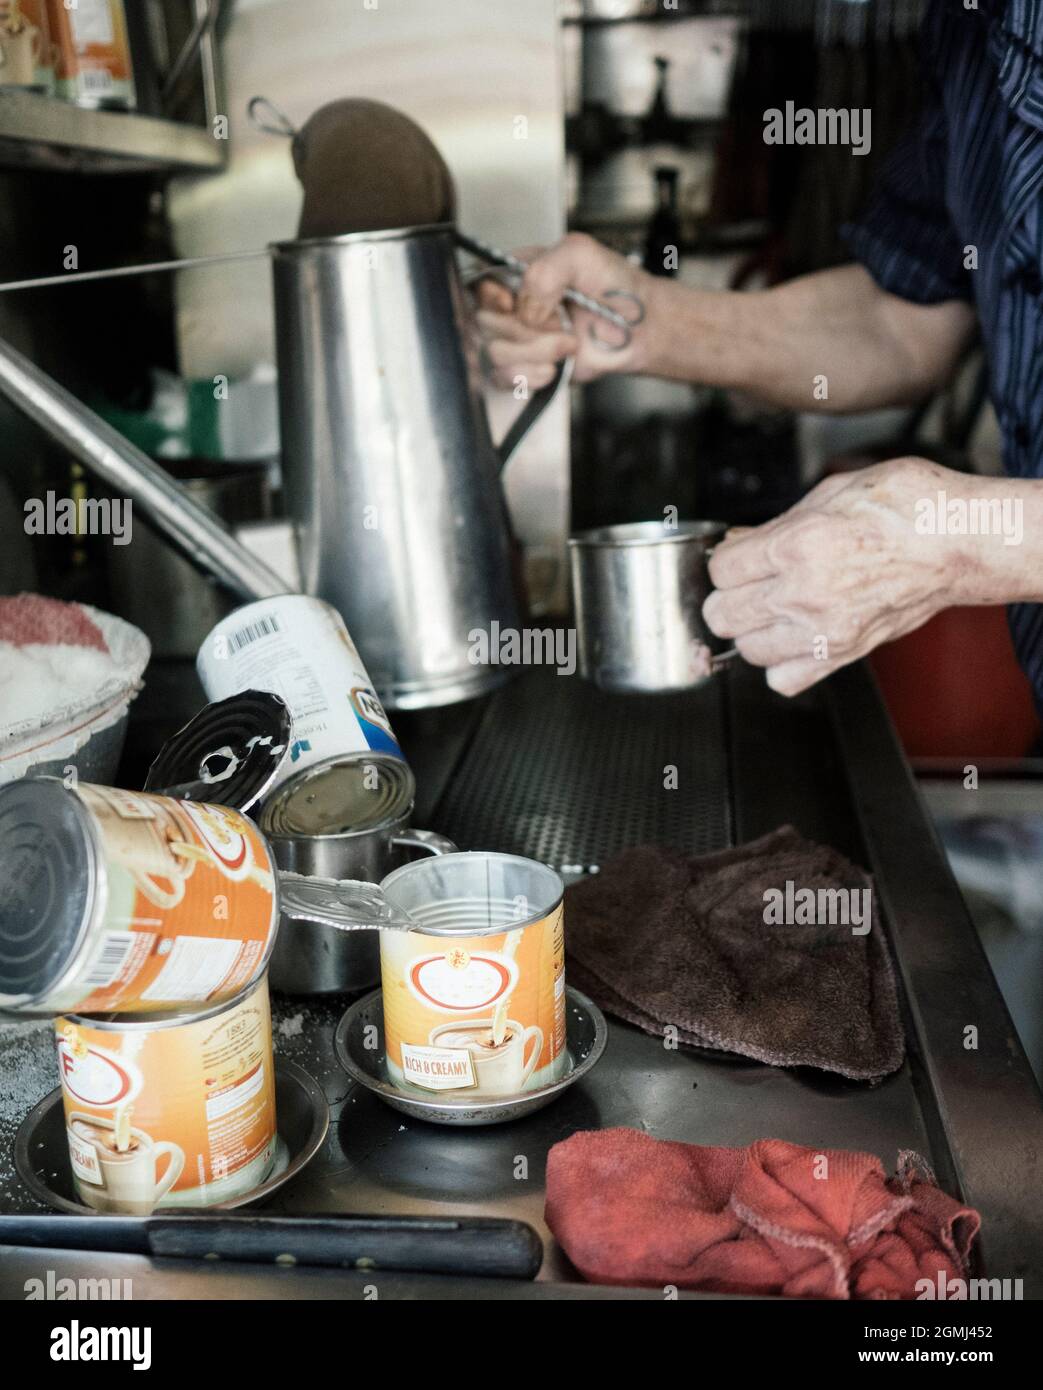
x=841, y=572
x=523, y=332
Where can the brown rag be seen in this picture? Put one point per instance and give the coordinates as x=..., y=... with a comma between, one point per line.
x=663, y=939
x=365, y=166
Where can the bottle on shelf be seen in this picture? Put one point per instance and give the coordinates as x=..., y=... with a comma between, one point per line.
x=662, y=254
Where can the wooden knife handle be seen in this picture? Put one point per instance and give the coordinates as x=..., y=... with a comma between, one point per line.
x=468, y=1245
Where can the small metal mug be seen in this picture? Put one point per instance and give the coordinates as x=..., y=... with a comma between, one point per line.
x=638, y=592
x=310, y=958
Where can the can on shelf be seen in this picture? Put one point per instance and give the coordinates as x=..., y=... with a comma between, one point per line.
x=92, y=53
x=298, y=647
x=117, y=901
x=164, y=1110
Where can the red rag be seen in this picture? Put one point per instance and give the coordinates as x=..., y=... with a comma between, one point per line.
x=775, y=1218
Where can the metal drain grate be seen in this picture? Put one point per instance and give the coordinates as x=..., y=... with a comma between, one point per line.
x=563, y=773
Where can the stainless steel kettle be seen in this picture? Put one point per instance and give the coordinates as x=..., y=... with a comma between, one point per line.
x=390, y=474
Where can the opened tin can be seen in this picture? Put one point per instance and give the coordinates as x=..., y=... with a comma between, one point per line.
x=166, y=1111
x=474, y=991
x=299, y=648
x=116, y=901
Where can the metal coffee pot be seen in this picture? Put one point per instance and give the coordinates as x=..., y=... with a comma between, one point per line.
x=391, y=475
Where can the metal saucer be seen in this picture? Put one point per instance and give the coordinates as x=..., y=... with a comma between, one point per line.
x=41, y=1151
x=586, y=1034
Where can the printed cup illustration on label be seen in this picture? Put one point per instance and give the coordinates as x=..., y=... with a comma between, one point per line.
x=156, y=853
x=500, y=1068
x=127, y=1176
x=169, y=1111
x=479, y=1015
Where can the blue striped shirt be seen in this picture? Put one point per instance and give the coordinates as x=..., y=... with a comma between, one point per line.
x=966, y=186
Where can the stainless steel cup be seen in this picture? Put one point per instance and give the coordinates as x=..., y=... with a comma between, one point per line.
x=638, y=592
x=310, y=958
x=328, y=824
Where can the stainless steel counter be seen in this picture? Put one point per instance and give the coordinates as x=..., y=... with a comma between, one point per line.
x=551, y=768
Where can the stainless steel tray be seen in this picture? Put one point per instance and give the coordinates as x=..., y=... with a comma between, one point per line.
x=552, y=768
x=586, y=1036
x=41, y=1151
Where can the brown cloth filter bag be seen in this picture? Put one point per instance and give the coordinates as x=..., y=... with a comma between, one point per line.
x=365, y=167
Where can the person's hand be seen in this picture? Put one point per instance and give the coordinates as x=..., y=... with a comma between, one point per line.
x=523, y=332
x=856, y=562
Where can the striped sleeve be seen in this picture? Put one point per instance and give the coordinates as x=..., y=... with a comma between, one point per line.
x=906, y=240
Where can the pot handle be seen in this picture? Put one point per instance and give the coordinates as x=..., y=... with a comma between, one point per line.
x=540, y=398
x=427, y=841
x=349, y=904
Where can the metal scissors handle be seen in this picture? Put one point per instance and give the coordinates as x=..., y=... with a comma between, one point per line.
x=625, y=326
x=264, y=115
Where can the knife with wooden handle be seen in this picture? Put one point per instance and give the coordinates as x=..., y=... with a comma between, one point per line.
x=466, y=1245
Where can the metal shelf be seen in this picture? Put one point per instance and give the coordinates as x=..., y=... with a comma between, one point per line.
x=44, y=133
x=687, y=9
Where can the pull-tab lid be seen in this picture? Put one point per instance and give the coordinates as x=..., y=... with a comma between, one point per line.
x=345, y=903
x=348, y=794
x=231, y=753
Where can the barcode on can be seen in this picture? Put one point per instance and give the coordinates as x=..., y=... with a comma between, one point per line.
x=252, y=632
x=94, y=80
x=109, y=961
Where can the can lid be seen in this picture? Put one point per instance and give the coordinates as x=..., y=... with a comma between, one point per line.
x=349, y=793
x=48, y=880
x=231, y=753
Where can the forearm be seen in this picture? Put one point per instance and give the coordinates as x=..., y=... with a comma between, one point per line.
x=833, y=341
x=1001, y=558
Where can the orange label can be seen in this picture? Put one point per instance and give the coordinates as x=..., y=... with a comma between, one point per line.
x=92, y=52
x=116, y=901
x=166, y=1111
x=475, y=1016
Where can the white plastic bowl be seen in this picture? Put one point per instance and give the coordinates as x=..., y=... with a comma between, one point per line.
x=86, y=734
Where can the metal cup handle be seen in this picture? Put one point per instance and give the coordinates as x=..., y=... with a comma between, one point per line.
x=427, y=841
x=720, y=660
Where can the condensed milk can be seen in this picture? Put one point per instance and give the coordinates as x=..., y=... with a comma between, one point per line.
x=166, y=1110
x=117, y=901
x=299, y=648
